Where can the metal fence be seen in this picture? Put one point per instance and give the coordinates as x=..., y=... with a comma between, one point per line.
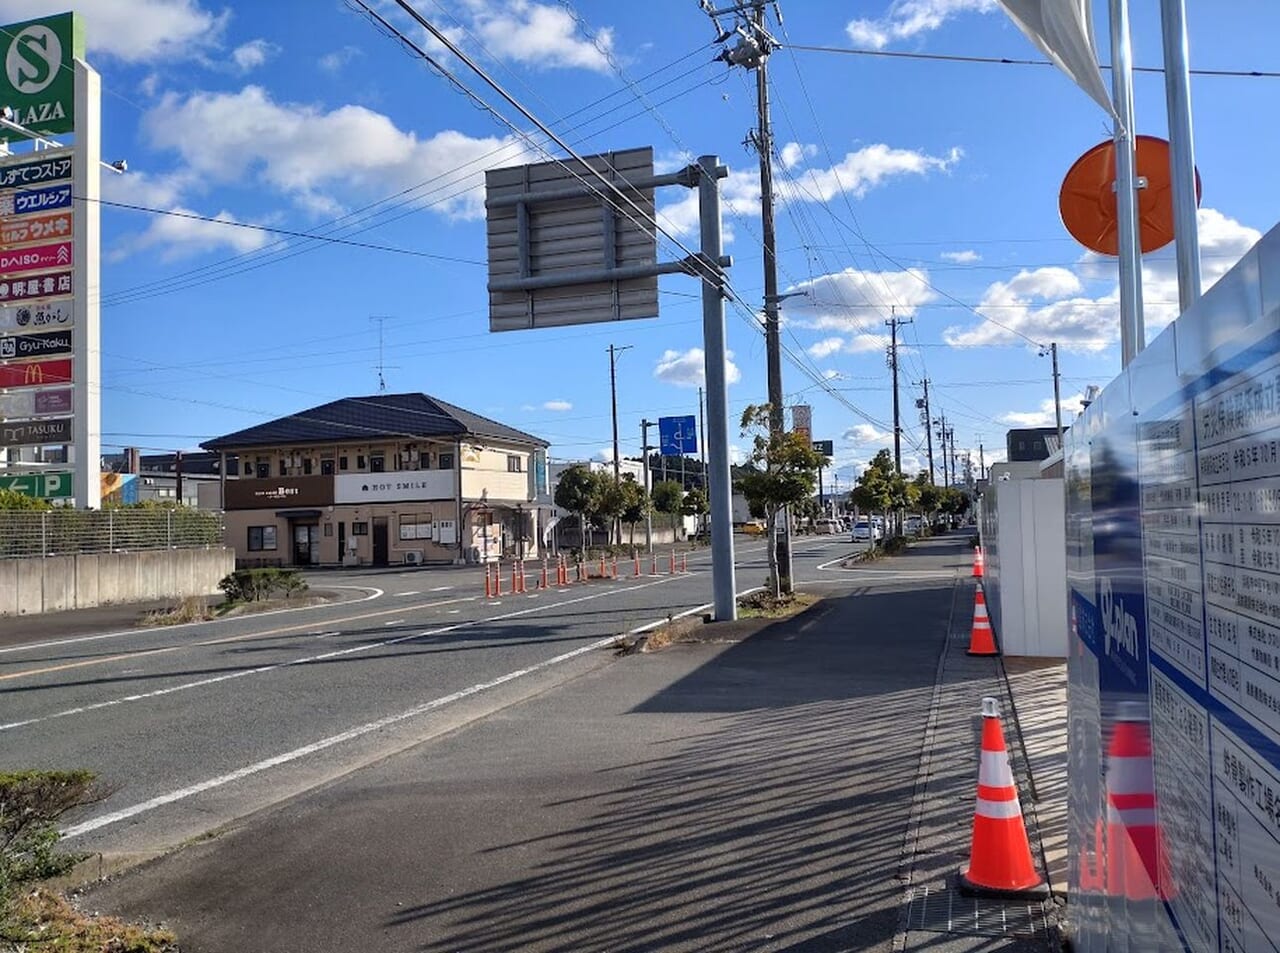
x=65, y=532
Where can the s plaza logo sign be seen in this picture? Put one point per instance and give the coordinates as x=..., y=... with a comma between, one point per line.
x=38, y=77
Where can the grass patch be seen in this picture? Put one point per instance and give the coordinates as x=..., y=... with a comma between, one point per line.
x=763, y=605
x=190, y=609
x=43, y=920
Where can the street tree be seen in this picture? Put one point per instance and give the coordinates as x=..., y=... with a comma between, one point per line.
x=876, y=490
x=636, y=504
x=781, y=471
x=580, y=491
x=668, y=497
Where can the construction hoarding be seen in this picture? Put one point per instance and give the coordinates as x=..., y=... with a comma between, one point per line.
x=1173, y=570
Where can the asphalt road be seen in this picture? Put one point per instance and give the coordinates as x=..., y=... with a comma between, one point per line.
x=192, y=727
x=752, y=792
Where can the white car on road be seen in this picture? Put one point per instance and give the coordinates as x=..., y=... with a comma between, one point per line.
x=863, y=531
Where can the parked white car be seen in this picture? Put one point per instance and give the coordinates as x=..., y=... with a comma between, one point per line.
x=865, y=532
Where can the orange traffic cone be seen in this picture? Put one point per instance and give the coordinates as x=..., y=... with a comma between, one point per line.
x=979, y=562
x=1000, y=862
x=1134, y=848
x=982, y=640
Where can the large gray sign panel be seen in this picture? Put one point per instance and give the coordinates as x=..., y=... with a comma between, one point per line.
x=1173, y=569
x=533, y=234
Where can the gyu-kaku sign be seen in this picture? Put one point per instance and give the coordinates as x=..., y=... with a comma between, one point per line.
x=566, y=249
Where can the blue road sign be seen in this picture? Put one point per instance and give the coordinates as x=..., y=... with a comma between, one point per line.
x=677, y=435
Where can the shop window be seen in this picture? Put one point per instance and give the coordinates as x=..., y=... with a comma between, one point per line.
x=262, y=538
x=377, y=463
x=248, y=468
x=326, y=468
x=360, y=528
x=415, y=526
x=328, y=527
x=306, y=466
x=446, y=461
x=264, y=470
x=360, y=464
x=284, y=467
x=515, y=463
x=342, y=462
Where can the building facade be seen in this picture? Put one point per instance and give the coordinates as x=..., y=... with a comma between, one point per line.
x=391, y=479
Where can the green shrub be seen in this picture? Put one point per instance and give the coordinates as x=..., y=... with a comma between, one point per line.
x=30, y=804
x=254, y=585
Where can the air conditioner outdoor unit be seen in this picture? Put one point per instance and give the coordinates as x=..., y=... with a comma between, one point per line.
x=413, y=558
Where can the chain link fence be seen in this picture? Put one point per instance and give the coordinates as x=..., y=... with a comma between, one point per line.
x=65, y=532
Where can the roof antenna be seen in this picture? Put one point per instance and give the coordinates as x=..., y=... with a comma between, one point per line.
x=381, y=320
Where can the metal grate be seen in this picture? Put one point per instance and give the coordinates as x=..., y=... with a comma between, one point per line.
x=943, y=909
x=65, y=531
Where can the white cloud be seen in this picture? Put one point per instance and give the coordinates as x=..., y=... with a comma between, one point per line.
x=557, y=405
x=865, y=343
x=908, y=18
x=961, y=257
x=180, y=237
x=688, y=369
x=855, y=301
x=136, y=31
x=1044, y=417
x=605, y=455
x=308, y=153
x=793, y=153
x=539, y=35
x=335, y=61
x=857, y=174
x=249, y=56
x=868, y=435
x=1077, y=321
x=826, y=347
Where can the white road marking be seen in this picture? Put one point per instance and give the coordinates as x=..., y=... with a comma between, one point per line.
x=394, y=622
x=115, y=817
x=413, y=592
x=200, y=683
x=442, y=588
x=374, y=593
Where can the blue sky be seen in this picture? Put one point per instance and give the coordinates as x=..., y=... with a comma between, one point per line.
x=923, y=186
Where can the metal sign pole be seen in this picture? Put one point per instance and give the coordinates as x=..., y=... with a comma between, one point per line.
x=723, y=575
x=1182, y=158
x=86, y=292
x=1132, y=330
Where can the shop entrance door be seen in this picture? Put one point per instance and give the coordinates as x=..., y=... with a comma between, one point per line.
x=381, y=548
x=306, y=544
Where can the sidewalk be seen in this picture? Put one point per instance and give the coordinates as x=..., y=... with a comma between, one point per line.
x=753, y=794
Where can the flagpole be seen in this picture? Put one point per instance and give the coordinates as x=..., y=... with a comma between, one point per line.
x=1182, y=160
x=1132, y=331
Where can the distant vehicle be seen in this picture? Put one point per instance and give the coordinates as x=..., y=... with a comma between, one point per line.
x=826, y=527
x=914, y=524
x=866, y=532
x=754, y=527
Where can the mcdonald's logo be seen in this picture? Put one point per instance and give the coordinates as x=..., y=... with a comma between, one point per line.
x=35, y=373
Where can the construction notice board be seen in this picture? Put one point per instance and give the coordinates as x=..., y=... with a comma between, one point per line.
x=1173, y=569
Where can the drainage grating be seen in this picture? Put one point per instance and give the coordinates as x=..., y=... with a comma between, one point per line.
x=943, y=909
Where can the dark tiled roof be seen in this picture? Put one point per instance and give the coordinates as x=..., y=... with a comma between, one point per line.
x=372, y=418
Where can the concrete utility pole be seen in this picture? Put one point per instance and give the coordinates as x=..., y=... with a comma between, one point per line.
x=752, y=52
x=951, y=438
x=613, y=398
x=893, y=324
x=648, y=483
x=982, y=464
x=941, y=424
x=1057, y=392
x=923, y=405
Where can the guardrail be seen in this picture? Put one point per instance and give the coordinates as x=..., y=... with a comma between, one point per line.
x=65, y=532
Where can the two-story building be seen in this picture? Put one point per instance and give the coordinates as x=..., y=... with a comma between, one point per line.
x=381, y=480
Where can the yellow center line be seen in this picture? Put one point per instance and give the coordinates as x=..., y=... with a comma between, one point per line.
x=143, y=653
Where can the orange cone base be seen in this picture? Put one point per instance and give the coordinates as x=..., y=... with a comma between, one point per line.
x=970, y=888
x=976, y=648
x=1001, y=864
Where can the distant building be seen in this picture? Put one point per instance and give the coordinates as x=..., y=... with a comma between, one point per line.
x=133, y=477
x=1031, y=443
x=381, y=480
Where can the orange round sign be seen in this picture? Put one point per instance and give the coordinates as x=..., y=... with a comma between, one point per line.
x=1087, y=201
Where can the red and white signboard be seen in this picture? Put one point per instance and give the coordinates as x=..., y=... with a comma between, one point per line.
x=35, y=373
x=34, y=228
x=42, y=286
x=36, y=258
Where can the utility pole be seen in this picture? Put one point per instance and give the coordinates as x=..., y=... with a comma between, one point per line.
x=752, y=50
x=893, y=323
x=951, y=437
x=923, y=405
x=982, y=464
x=941, y=424
x=648, y=488
x=1057, y=392
x=702, y=440
x=613, y=397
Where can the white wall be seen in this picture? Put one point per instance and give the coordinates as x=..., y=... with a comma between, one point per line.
x=1026, y=567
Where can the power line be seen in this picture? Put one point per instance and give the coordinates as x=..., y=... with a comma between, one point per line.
x=1009, y=61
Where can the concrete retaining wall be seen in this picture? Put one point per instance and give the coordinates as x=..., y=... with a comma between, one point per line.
x=55, y=583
